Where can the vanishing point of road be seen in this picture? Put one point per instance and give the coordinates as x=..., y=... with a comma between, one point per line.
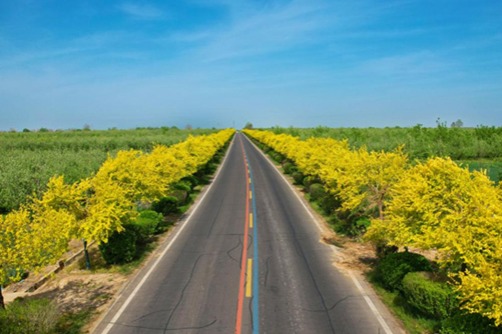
x=248, y=259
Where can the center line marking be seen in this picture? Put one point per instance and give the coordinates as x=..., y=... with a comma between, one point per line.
x=250, y=220
x=249, y=280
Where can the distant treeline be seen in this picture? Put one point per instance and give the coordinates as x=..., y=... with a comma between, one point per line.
x=29, y=159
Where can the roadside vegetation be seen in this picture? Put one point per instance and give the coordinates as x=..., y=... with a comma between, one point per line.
x=132, y=198
x=476, y=148
x=428, y=203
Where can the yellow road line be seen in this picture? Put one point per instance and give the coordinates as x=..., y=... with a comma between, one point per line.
x=250, y=195
x=249, y=278
x=250, y=220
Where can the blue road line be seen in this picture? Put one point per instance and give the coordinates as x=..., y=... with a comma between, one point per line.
x=256, y=292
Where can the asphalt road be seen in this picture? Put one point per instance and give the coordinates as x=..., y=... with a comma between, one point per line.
x=248, y=260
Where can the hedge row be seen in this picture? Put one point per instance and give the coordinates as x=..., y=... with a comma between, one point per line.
x=413, y=277
x=128, y=244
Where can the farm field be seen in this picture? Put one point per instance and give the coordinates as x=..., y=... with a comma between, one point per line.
x=478, y=148
x=29, y=159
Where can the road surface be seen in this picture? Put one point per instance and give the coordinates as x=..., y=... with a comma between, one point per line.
x=247, y=260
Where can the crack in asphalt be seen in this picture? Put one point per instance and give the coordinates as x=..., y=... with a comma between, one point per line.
x=239, y=243
x=337, y=303
x=164, y=330
x=182, y=293
x=213, y=221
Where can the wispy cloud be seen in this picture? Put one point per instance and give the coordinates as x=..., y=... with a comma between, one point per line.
x=412, y=64
x=263, y=30
x=142, y=12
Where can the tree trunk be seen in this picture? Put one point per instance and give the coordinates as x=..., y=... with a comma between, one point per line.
x=2, y=305
x=87, y=257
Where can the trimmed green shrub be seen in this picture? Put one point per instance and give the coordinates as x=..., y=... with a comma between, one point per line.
x=146, y=224
x=121, y=247
x=26, y=316
x=392, y=268
x=192, y=180
x=329, y=203
x=210, y=168
x=308, y=181
x=166, y=205
x=432, y=299
x=182, y=191
x=316, y=191
x=289, y=167
x=469, y=323
x=277, y=156
x=297, y=177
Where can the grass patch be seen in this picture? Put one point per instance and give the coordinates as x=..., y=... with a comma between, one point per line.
x=41, y=315
x=29, y=316
x=72, y=323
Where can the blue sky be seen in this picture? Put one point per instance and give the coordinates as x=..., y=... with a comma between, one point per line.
x=222, y=63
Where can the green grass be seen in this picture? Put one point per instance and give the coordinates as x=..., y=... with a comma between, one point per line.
x=72, y=323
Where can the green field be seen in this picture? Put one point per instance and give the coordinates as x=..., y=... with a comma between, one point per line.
x=29, y=159
x=419, y=142
x=478, y=148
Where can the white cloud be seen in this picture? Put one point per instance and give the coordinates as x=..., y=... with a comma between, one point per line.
x=262, y=30
x=141, y=12
x=412, y=64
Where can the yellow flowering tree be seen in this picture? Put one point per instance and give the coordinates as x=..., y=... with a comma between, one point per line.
x=31, y=238
x=442, y=206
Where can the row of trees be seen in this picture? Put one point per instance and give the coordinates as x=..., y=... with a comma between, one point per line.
x=433, y=204
x=93, y=208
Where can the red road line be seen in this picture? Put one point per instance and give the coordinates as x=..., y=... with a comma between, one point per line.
x=242, y=281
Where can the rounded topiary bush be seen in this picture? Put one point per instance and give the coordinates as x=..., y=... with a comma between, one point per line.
x=166, y=205
x=192, y=180
x=121, y=247
x=469, y=323
x=146, y=224
x=288, y=167
x=392, y=268
x=297, y=177
x=316, y=191
x=277, y=156
x=432, y=299
x=309, y=180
